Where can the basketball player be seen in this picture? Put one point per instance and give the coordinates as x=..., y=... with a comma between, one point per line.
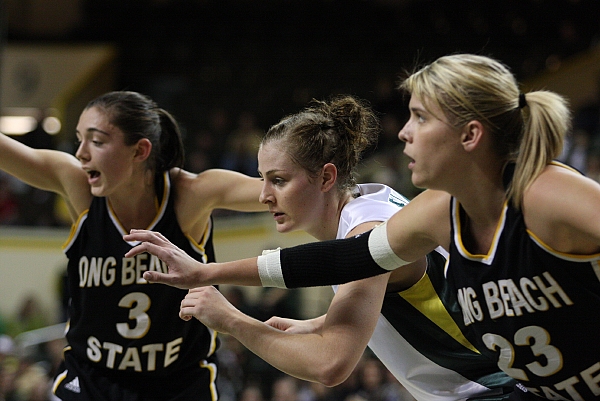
x=124, y=340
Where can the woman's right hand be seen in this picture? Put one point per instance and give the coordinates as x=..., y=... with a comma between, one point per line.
x=183, y=270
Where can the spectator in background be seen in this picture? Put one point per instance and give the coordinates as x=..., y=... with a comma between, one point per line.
x=9, y=205
x=285, y=388
x=240, y=150
x=30, y=316
x=252, y=393
x=374, y=385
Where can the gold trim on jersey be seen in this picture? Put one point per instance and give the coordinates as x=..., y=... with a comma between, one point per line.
x=201, y=247
x=563, y=255
x=487, y=258
x=75, y=227
x=557, y=163
x=213, y=341
x=213, y=374
x=59, y=380
x=423, y=297
x=159, y=214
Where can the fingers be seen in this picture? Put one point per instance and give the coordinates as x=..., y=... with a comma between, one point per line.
x=151, y=241
x=145, y=236
x=156, y=277
x=158, y=250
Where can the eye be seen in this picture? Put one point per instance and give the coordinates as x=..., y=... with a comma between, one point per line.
x=277, y=181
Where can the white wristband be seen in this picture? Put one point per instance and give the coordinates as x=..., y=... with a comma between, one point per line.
x=381, y=251
x=269, y=269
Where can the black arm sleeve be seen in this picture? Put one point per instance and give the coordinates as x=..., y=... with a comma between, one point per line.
x=328, y=262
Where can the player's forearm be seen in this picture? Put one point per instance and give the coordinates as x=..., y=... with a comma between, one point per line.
x=308, y=357
x=239, y=272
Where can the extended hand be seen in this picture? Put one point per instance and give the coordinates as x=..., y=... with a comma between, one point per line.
x=209, y=306
x=183, y=269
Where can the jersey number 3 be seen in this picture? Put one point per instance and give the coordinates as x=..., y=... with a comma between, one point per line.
x=137, y=303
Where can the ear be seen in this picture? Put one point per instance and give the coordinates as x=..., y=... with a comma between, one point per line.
x=142, y=149
x=328, y=176
x=472, y=134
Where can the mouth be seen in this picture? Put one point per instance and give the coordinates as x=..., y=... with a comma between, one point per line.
x=277, y=215
x=93, y=175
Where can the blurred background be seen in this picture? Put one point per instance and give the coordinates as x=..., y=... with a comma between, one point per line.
x=229, y=69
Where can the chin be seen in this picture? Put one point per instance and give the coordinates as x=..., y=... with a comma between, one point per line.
x=284, y=228
x=418, y=182
x=97, y=192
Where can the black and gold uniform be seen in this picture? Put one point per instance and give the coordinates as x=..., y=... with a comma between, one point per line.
x=521, y=303
x=125, y=338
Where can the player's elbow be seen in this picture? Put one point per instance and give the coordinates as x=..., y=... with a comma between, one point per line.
x=335, y=371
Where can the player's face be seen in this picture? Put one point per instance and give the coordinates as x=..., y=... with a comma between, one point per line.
x=103, y=153
x=292, y=196
x=431, y=143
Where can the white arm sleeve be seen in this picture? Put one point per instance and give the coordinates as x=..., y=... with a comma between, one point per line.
x=269, y=269
x=381, y=251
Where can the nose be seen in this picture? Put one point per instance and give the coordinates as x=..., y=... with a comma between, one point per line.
x=404, y=134
x=81, y=153
x=265, y=194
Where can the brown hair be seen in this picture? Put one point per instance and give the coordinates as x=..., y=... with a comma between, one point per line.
x=138, y=116
x=337, y=131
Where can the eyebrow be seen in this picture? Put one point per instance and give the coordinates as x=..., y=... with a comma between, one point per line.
x=91, y=130
x=274, y=171
x=415, y=108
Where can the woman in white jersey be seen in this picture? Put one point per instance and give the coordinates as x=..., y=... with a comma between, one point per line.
x=307, y=162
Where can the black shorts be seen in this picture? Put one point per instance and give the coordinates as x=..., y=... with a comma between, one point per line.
x=82, y=382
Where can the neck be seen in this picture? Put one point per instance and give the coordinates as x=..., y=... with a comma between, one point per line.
x=135, y=207
x=327, y=226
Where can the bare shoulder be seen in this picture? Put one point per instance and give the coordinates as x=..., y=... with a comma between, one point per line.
x=197, y=195
x=422, y=225
x=210, y=185
x=562, y=208
x=557, y=188
x=192, y=204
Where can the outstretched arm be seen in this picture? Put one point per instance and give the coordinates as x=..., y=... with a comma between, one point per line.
x=314, y=264
x=327, y=355
x=409, y=235
x=46, y=169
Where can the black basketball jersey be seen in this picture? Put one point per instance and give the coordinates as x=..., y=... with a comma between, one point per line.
x=118, y=322
x=534, y=310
